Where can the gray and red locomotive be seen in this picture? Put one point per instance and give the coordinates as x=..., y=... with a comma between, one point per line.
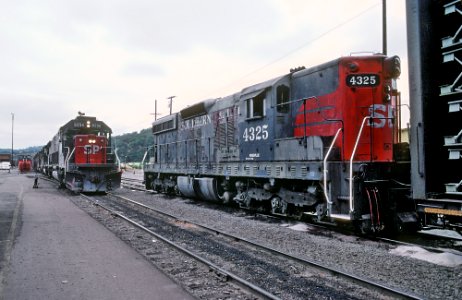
x=325, y=141
x=322, y=142
x=80, y=157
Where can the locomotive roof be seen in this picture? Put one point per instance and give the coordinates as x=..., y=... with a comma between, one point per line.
x=316, y=68
x=256, y=89
x=80, y=124
x=197, y=109
x=336, y=61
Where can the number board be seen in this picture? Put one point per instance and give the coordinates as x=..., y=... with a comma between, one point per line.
x=362, y=80
x=93, y=125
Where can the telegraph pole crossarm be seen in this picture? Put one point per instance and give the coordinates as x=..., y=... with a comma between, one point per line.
x=170, y=103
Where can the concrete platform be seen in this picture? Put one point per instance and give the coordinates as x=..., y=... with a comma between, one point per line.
x=59, y=252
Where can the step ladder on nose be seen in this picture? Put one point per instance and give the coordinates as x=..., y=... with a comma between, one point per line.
x=350, y=198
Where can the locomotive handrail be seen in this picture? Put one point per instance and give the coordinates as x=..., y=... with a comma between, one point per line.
x=68, y=157
x=351, y=161
x=295, y=101
x=325, y=167
x=145, y=154
x=117, y=158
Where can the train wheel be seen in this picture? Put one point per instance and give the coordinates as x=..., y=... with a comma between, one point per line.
x=226, y=197
x=278, y=206
x=363, y=227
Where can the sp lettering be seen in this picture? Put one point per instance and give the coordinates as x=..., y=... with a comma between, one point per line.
x=91, y=149
x=382, y=115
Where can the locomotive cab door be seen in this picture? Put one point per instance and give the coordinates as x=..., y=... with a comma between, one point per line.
x=255, y=130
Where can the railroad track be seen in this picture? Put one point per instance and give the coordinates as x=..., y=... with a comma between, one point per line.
x=222, y=272
x=418, y=239
x=130, y=183
x=285, y=261
x=133, y=183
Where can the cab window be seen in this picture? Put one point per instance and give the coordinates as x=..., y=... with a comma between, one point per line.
x=282, y=96
x=256, y=106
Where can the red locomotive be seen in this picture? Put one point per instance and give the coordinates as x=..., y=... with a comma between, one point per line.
x=319, y=142
x=80, y=157
x=24, y=163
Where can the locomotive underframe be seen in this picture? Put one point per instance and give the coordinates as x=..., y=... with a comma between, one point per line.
x=87, y=178
x=93, y=178
x=296, y=189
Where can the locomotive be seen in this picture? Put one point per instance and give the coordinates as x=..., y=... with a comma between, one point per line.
x=320, y=142
x=24, y=163
x=80, y=156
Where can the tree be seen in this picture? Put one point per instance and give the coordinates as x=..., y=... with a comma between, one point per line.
x=132, y=146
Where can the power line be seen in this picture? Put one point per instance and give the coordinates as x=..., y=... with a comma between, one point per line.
x=301, y=46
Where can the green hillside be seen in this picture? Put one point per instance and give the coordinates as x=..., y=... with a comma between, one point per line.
x=132, y=146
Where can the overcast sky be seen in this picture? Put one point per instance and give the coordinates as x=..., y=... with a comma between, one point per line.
x=112, y=59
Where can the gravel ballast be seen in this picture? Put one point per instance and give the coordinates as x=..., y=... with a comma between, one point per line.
x=364, y=258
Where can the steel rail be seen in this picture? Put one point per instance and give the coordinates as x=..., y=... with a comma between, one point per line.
x=362, y=281
x=132, y=180
x=257, y=290
x=133, y=183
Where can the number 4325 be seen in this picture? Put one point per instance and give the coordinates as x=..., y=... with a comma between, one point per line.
x=255, y=133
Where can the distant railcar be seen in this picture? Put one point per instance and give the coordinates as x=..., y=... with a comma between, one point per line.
x=80, y=157
x=24, y=163
x=40, y=159
x=321, y=142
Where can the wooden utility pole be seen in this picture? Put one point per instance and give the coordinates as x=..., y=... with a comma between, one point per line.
x=170, y=103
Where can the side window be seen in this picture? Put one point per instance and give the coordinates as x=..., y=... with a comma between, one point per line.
x=282, y=96
x=256, y=106
x=249, y=108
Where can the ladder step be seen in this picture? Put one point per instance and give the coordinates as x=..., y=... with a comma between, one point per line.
x=345, y=198
x=340, y=216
